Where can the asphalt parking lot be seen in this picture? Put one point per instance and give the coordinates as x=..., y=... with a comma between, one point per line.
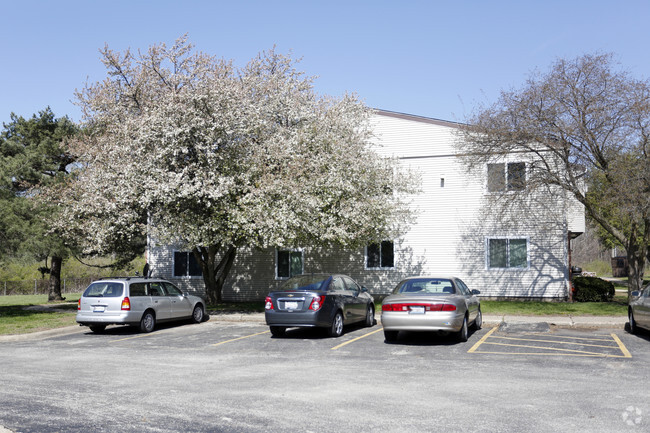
x=234, y=377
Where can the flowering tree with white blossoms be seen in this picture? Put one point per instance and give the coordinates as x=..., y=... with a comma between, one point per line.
x=212, y=158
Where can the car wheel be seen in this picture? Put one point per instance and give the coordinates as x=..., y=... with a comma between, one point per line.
x=98, y=328
x=370, y=315
x=633, y=327
x=336, y=329
x=197, y=314
x=478, y=322
x=278, y=331
x=148, y=322
x=462, y=334
x=390, y=335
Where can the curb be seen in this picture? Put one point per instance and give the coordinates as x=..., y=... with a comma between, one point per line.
x=575, y=322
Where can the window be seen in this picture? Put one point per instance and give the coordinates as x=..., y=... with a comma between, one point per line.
x=507, y=253
x=380, y=255
x=288, y=263
x=506, y=177
x=351, y=284
x=138, y=289
x=185, y=265
x=156, y=289
x=172, y=290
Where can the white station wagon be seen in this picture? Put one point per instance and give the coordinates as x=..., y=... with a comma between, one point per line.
x=136, y=301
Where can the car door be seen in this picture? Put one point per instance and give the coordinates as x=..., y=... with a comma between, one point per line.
x=344, y=298
x=181, y=305
x=358, y=303
x=160, y=302
x=471, y=300
x=642, y=313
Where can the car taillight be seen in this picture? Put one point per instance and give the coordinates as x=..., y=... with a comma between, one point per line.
x=317, y=303
x=79, y=304
x=126, y=303
x=409, y=305
x=269, y=303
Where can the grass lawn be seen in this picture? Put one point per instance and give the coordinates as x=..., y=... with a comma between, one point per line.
x=15, y=319
x=614, y=308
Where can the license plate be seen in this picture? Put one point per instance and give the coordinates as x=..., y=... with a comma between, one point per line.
x=417, y=310
x=291, y=305
x=99, y=309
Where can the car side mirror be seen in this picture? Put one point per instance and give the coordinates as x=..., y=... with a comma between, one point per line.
x=364, y=290
x=476, y=292
x=185, y=294
x=635, y=294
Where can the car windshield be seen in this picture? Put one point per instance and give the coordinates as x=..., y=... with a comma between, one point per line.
x=306, y=282
x=438, y=286
x=104, y=290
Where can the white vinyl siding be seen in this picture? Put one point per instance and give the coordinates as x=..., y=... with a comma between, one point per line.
x=454, y=218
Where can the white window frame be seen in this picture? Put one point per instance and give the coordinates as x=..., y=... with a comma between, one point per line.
x=380, y=268
x=508, y=238
x=186, y=276
x=506, y=189
x=290, y=250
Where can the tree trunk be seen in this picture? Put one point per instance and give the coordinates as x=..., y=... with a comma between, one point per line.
x=636, y=258
x=214, y=275
x=54, y=292
x=226, y=262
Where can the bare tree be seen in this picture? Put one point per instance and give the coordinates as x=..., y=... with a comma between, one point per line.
x=587, y=124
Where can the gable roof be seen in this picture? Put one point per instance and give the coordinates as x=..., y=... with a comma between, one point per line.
x=415, y=118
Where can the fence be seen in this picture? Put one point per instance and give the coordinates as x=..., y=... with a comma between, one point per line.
x=40, y=287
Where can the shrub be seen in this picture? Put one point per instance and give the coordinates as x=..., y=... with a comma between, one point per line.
x=592, y=289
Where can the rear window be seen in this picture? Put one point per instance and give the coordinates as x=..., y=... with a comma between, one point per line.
x=138, y=289
x=306, y=282
x=438, y=286
x=104, y=290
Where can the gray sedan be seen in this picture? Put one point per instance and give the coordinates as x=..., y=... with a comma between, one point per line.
x=318, y=300
x=431, y=304
x=639, y=310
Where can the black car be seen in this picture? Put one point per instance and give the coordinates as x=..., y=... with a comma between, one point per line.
x=319, y=300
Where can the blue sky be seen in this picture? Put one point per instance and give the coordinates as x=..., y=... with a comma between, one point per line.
x=431, y=58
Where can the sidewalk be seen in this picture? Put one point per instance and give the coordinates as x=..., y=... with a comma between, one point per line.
x=488, y=320
x=587, y=322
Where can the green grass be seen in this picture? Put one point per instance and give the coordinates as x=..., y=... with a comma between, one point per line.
x=15, y=319
x=237, y=307
x=525, y=308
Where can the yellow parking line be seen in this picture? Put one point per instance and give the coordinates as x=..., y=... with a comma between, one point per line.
x=355, y=339
x=598, y=355
x=240, y=338
x=551, y=350
x=569, y=338
x=621, y=346
x=556, y=349
x=131, y=338
x=554, y=341
x=482, y=340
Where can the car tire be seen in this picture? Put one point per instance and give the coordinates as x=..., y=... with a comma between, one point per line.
x=148, y=321
x=390, y=336
x=633, y=328
x=336, y=328
x=98, y=328
x=277, y=331
x=478, y=322
x=370, y=315
x=198, y=313
x=462, y=334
